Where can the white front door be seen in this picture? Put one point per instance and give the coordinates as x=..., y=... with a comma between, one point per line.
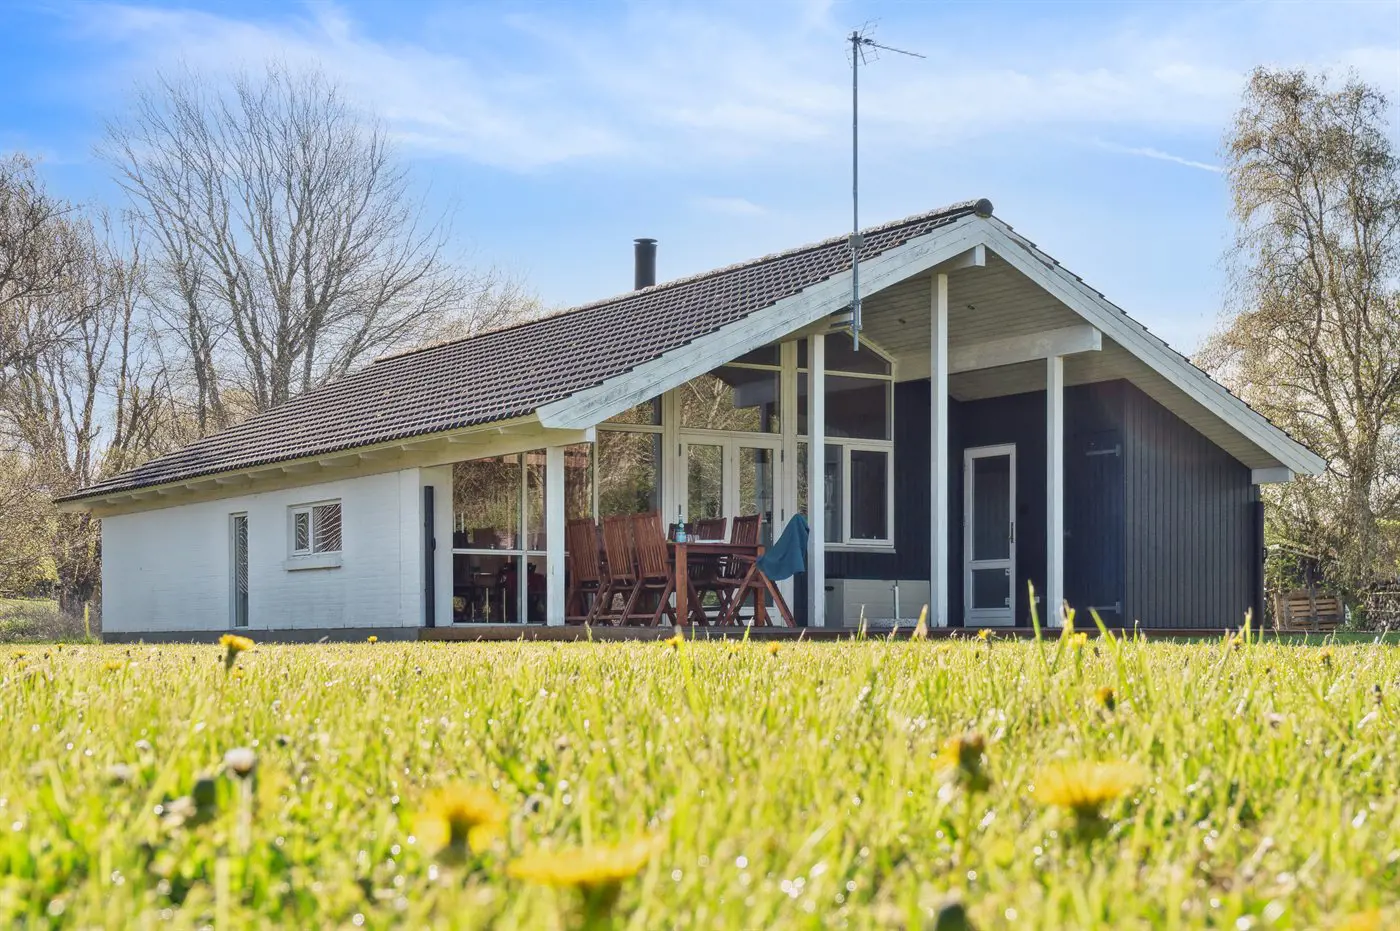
x=727, y=476
x=989, y=536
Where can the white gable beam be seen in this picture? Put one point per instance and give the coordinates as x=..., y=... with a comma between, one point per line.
x=1013, y=349
x=1270, y=476
x=1065, y=341
x=763, y=326
x=976, y=257
x=1133, y=336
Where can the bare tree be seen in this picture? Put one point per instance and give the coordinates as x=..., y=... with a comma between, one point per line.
x=39, y=250
x=288, y=247
x=84, y=407
x=1315, y=339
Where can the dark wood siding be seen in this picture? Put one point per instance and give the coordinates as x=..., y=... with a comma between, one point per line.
x=1191, y=555
x=1167, y=526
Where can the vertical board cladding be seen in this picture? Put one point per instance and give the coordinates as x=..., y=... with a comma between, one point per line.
x=1192, y=559
x=168, y=570
x=1090, y=412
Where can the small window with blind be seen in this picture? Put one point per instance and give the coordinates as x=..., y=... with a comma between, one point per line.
x=314, y=530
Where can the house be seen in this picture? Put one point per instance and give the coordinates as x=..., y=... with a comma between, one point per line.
x=999, y=423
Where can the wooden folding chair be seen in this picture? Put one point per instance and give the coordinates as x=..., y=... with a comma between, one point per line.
x=740, y=577
x=588, y=585
x=621, y=569
x=655, y=575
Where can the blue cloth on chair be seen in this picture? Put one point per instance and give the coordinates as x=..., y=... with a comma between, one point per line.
x=789, y=554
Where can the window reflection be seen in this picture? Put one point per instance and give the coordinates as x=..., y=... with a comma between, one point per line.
x=732, y=398
x=629, y=469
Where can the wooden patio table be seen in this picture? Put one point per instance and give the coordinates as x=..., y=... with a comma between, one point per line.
x=711, y=549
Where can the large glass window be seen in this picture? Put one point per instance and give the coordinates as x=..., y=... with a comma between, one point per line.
x=734, y=398
x=859, y=454
x=856, y=408
x=498, y=538
x=486, y=504
x=629, y=472
x=870, y=475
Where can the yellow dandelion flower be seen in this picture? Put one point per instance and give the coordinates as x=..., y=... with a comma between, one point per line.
x=587, y=868
x=1325, y=657
x=773, y=647
x=961, y=760
x=1106, y=697
x=373, y=638
x=1084, y=789
x=676, y=640
x=1079, y=640
x=460, y=819
x=736, y=648
x=233, y=644
x=986, y=634
x=112, y=665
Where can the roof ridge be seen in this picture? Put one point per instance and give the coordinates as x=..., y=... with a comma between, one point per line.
x=948, y=209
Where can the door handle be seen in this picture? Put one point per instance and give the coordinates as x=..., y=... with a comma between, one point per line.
x=1012, y=535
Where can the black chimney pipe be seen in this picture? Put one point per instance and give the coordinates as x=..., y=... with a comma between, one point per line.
x=645, y=265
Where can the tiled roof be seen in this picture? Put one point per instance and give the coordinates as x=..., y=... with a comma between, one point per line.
x=511, y=372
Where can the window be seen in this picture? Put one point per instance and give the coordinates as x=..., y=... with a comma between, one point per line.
x=499, y=537
x=739, y=398
x=315, y=529
x=238, y=527
x=858, y=477
x=629, y=472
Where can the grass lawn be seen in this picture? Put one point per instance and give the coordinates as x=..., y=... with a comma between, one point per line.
x=1247, y=786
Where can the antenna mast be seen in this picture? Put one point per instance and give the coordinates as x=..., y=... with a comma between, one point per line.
x=861, y=46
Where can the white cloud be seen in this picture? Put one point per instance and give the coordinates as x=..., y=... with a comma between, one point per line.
x=674, y=86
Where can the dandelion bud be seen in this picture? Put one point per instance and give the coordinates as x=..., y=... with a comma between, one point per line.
x=241, y=761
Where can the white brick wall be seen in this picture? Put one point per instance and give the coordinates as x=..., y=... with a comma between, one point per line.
x=169, y=569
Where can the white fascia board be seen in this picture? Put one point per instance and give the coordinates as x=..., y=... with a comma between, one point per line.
x=1133, y=336
x=1275, y=475
x=777, y=321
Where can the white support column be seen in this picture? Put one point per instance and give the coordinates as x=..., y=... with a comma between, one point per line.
x=938, y=453
x=787, y=472
x=816, y=480
x=554, y=535
x=1055, y=489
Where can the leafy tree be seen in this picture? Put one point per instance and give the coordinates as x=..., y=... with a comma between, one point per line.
x=1314, y=338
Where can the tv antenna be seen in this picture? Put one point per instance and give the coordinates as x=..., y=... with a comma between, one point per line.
x=863, y=51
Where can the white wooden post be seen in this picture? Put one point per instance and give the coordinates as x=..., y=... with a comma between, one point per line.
x=938, y=452
x=554, y=535
x=1055, y=489
x=816, y=480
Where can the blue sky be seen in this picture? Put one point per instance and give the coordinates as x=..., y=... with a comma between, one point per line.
x=561, y=130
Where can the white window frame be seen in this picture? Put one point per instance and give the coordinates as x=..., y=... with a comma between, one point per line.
x=880, y=446
x=309, y=558
x=847, y=444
